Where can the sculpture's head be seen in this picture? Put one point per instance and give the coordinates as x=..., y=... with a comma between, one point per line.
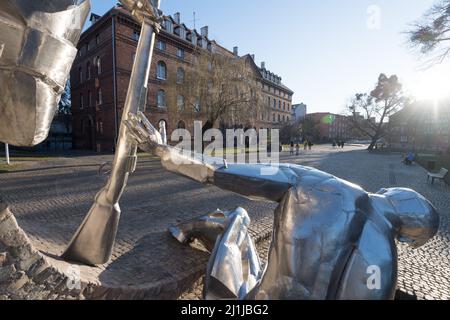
x=37, y=48
x=414, y=217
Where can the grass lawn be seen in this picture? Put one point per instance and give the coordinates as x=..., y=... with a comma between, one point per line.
x=8, y=168
x=18, y=158
x=15, y=155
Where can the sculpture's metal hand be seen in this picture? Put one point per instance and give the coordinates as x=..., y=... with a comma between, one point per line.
x=143, y=9
x=146, y=136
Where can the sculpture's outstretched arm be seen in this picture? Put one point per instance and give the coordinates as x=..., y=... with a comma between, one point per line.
x=255, y=181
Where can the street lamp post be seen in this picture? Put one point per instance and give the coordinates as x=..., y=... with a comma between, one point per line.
x=7, y=153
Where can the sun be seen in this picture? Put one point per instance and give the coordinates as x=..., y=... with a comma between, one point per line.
x=432, y=84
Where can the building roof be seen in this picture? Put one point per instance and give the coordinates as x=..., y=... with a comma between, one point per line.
x=265, y=75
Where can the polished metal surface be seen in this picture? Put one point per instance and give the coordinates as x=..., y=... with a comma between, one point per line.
x=94, y=240
x=37, y=48
x=225, y=235
x=331, y=238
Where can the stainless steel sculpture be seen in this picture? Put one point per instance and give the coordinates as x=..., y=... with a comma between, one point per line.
x=37, y=48
x=330, y=236
x=94, y=240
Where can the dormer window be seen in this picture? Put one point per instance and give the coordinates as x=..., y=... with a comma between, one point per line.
x=177, y=31
x=168, y=26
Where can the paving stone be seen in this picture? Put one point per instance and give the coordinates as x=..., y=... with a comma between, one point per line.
x=50, y=201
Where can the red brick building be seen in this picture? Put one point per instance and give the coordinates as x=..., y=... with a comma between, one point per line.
x=421, y=126
x=331, y=126
x=101, y=72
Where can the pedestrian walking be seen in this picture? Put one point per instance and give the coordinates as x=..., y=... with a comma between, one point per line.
x=292, y=148
x=297, y=149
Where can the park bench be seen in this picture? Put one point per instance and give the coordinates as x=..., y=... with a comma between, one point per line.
x=439, y=176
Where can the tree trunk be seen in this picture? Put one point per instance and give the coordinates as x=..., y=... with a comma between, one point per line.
x=373, y=144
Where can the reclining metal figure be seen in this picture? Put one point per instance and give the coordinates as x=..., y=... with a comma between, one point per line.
x=331, y=239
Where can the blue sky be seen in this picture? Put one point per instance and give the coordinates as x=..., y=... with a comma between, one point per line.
x=325, y=50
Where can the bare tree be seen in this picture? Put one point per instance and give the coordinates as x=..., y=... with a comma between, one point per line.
x=370, y=111
x=432, y=34
x=216, y=88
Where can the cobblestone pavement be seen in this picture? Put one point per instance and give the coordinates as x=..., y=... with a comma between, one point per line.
x=49, y=202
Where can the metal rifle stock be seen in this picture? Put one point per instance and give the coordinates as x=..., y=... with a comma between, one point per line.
x=94, y=240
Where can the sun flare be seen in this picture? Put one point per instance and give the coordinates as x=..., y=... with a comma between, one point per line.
x=432, y=84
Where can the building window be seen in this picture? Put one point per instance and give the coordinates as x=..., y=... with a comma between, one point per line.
x=274, y=103
x=180, y=102
x=98, y=65
x=136, y=35
x=279, y=104
x=81, y=101
x=284, y=118
x=181, y=125
x=284, y=105
x=279, y=118
x=268, y=101
x=80, y=74
x=197, y=107
x=161, y=72
x=99, y=97
x=88, y=70
x=89, y=98
x=168, y=25
x=161, y=99
x=273, y=117
x=177, y=31
x=180, y=53
x=97, y=39
x=100, y=126
x=161, y=45
x=288, y=119
x=180, y=75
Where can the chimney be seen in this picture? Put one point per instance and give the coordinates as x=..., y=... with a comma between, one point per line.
x=263, y=65
x=94, y=18
x=253, y=57
x=236, y=51
x=204, y=31
x=177, y=17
